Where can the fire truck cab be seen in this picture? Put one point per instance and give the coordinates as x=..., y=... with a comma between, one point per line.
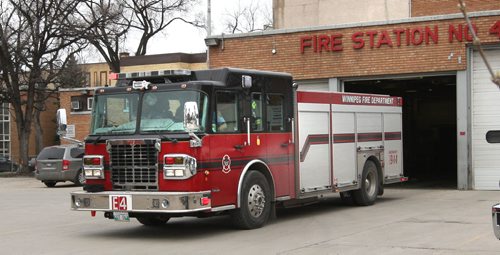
x=231, y=141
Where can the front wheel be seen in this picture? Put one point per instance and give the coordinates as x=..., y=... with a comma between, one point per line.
x=255, y=202
x=80, y=178
x=368, y=192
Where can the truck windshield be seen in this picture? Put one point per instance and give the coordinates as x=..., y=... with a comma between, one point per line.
x=114, y=114
x=164, y=111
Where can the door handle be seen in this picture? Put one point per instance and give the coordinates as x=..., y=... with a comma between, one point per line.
x=239, y=146
x=285, y=145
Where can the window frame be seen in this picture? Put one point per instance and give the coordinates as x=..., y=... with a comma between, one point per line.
x=236, y=114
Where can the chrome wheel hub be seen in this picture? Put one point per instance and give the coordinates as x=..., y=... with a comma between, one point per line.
x=256, y=200
x=370, y=183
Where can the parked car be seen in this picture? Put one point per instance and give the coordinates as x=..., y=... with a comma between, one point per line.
x=60, y=163
x=495, y=213
x=6, y=164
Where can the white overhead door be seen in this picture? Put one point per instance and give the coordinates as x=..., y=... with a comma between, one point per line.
x=485, y=118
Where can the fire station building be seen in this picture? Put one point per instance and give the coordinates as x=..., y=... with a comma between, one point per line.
x=419, y=50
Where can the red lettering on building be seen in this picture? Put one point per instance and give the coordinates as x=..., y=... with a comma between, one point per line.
x=357, y=39
x=398, y=33
x=371, y=34
x=390, y=38
x=305, y=42
x=336, y=42
x=417, y=37
x=495, y=29
x=324, y=43
x=431, y=34
x=384, y=39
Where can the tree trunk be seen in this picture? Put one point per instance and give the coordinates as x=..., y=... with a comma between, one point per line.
x=23, y=135
x=38, y=133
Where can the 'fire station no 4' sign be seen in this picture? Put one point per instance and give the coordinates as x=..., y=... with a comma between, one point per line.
x=226, y=164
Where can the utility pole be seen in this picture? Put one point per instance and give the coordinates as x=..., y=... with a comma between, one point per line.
x=209, y=18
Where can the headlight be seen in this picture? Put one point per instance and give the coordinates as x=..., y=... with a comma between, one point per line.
x=93, y=166
x=178, y=166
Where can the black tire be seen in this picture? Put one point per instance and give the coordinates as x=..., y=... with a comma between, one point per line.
x=49, y=184
x=368, y=192
x=347, y=197
x=255, y=202
x=153, y=221
x=80, y=178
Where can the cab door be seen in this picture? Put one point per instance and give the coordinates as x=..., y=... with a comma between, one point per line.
x=227, y=146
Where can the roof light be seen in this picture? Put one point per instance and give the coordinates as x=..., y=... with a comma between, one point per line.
x=159, y=73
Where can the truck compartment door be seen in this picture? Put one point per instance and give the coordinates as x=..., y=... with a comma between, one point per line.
x=314, y=147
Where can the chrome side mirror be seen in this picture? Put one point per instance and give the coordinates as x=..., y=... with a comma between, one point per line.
x=246, y=81
x=191, y=117
x=62, y=123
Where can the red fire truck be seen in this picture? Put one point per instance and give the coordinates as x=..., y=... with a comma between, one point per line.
x=230, y=141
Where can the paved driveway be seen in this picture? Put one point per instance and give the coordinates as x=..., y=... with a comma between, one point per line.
x=37, y=220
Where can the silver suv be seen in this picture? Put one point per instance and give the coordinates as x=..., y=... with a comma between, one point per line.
x=60, y=163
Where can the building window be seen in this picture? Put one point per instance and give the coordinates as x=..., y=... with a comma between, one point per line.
x=103, y=78
x=87, y=77
x=5, y=130
x=81, y=103
x=90, y=102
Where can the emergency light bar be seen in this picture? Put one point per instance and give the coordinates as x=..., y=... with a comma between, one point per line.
x=150, y=74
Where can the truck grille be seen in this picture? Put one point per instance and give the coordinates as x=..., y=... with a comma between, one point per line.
x=134, y=164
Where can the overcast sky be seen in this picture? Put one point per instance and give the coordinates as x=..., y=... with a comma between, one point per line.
x=181, y=37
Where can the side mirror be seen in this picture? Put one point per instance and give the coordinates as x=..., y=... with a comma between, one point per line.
x=191, y=117
x=62, y=123
x=246, y=81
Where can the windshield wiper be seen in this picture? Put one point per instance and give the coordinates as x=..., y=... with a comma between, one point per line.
x=162, y=136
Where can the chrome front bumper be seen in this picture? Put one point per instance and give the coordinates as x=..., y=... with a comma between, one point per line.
x=495, y=213
x=159, y=202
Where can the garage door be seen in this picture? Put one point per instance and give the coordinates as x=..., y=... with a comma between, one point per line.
x=485, y=118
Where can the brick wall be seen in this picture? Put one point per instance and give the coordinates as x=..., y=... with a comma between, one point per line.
x=81, y=120
x=439, y=7
x=48, y=119
x=255, y=52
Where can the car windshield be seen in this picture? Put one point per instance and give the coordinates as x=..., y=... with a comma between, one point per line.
x=162, y=111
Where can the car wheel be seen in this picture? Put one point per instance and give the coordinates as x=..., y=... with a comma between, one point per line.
x=255, y=202
x=153, y=221
x=49, y=184
x=80, y=178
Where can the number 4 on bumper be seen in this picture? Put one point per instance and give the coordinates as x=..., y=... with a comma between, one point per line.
x=120, y=203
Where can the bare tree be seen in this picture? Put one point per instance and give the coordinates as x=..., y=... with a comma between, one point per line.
x=249, y=18
x=152, y=17
x=36, y=38
x=119, y=18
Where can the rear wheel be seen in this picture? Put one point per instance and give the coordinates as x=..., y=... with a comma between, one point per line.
x=153, y=221
x=255, y=202
x=49, y=184
x=368, y=192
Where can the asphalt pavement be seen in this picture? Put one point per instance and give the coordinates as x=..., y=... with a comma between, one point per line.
x=406, y=220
